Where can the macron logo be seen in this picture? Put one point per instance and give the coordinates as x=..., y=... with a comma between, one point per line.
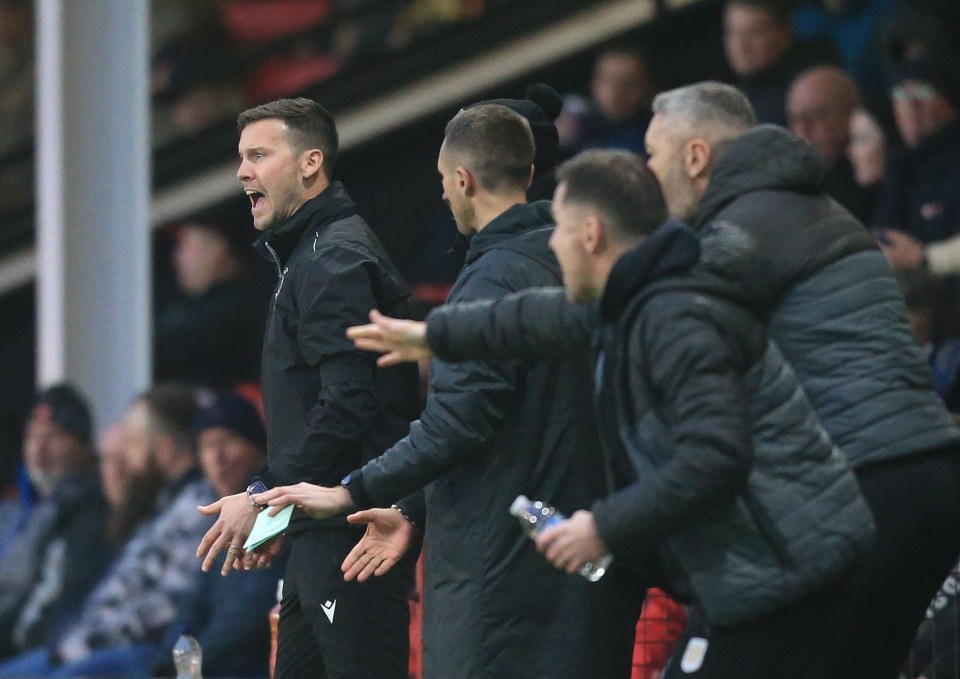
x=329, y=608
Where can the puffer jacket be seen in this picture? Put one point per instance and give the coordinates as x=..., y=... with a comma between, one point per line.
x=833, y=303
x=738, y=488
x=492, y=430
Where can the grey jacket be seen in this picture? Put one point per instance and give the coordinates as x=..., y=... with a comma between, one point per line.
x=832, y=301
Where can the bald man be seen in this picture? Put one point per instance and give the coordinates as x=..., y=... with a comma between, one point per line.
x=819, y=105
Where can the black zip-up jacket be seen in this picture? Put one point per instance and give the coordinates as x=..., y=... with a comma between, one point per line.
x=736, y=485
x=328, y=409
x=490, y=431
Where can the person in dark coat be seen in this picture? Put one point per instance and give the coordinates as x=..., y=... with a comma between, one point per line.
x=59, y=555
x=493, y=430
x=327, y=409
x=919, y=207
x=763, y=54
x=837, y=314
x=736, y=500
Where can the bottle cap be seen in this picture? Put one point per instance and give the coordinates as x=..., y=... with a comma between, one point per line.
x=519, y=505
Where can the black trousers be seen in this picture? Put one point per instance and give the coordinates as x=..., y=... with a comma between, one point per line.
x=861, y=625
x=331, y=629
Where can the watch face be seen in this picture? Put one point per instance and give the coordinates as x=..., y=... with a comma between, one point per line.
x=346, y=479
x=256, y=487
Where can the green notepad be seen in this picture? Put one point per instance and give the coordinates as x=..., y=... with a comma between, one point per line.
x=267, y=527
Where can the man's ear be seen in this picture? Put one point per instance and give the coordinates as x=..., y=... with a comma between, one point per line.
x=593, y=234
x=533, y=170
x=311, y=163
x=696, y=158
x=466, y=182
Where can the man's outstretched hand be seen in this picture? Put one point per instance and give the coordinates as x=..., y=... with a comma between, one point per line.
x=387, y=539
x=399, y=341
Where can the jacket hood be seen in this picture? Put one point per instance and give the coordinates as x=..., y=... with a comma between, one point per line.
x=332, y=204
x=516, y=220
x=672, y=249
x=767, y=158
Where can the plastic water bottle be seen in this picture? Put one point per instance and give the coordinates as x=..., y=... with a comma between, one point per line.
x=187, y=657
x=535, y=517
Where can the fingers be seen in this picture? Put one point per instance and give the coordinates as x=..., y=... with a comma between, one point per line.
x=393, y=358
x=385, y=566
x=272, y=494
x=212, y=508
x=209, y=538
x=364, y=516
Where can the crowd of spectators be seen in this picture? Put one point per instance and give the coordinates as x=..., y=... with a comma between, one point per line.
x=99, y=571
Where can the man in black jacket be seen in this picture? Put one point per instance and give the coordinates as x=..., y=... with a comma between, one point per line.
x=490, y=431
x=731, y=489
x=836, y=312
x=327, y=409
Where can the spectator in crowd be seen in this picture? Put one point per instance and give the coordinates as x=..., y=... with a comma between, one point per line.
x=824, y=284
x=133, y=604
x=327, y=409
x=820, y=103
x=228, y=616
x=57, y=557
x=761, y=51
x=493, y=430
x=709, y=424
x=130, y=486
x=920, y=204
x=933, y=318
x=867, y=153
x=212, y=334
x=130, y=480
x=617, y=114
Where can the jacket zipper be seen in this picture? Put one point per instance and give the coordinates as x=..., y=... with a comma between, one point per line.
x=280, y=272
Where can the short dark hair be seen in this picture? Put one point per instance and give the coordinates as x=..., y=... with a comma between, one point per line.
x=496, y=144
x=620, y=187
x=173, y=411
x=781, y=11
x=310, y=126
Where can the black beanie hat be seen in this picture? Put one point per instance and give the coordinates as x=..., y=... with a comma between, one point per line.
x=541, y=107
x=64, y=406
x=942, y=75
x=235, y=413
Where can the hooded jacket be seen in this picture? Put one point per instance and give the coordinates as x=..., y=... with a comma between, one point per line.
x=492, y=430
x=833, y=303
x=328, y=409
x=737, y=488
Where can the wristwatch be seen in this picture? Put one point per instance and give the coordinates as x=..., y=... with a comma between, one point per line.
x=256, y=488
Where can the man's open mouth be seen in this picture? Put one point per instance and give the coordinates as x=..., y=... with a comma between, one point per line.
x=256, y=199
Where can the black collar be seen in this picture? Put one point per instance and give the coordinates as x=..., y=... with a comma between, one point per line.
x=671, y=249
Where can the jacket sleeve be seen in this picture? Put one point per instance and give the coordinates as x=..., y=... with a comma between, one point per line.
x=465, y=406
x=694, y=371
x=531, y=324
x=333, y=293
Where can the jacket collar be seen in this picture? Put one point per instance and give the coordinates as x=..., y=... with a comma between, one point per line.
x=515, y=220
x=767, y=158
x=332, y=204
x=673, y=248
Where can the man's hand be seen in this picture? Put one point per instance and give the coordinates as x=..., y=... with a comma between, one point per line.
x=387, y=539
x=901, y=250
x=399, y=340
x=315, y=501
x=263, y=556
x=573, y=543
x=230, y=531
